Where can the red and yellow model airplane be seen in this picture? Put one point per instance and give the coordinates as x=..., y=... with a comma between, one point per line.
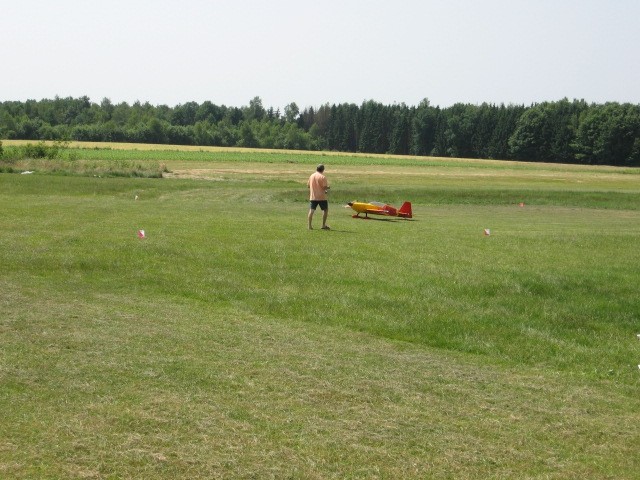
x=377, y=208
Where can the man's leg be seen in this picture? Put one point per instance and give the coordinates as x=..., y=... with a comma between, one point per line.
x=310, y=218
x=325, y=214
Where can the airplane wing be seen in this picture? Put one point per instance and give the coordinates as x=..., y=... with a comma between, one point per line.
x=382, y=209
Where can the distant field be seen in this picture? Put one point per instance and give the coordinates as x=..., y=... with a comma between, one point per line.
x=180, y=153
x=232, y=342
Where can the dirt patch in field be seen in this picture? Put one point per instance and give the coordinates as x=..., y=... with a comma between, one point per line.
x=195, y=174
x=218, y=174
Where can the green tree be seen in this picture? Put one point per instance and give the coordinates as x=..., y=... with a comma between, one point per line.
x=423, y=130
x=443, y=144
x=609, y=134
x=247, y=137
x=203, y=133
x=209, y=112
x=121, y=113
x=374, y=128
x=255, y=110
x=547, y=132
x=307, y=119
x=7, y=124
x=505, y=125
x=529, y=141
x=400, y=141
x=185, y=114
x=157, y=131
x=291, y=112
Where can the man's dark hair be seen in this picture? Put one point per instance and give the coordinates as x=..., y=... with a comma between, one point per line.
x=320, y=168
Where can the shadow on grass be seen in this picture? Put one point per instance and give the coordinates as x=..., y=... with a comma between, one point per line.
x=385, y=219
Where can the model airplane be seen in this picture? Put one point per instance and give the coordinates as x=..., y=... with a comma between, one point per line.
x=377, y=208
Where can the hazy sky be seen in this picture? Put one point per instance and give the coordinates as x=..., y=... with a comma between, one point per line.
x=314, y=52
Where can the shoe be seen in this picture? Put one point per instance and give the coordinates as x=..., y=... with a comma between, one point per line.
x=326, y=227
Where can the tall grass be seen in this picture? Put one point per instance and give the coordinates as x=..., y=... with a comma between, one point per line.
x=57, y=158
x=231, y=342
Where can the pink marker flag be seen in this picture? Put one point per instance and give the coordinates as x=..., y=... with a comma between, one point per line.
x=140, y=233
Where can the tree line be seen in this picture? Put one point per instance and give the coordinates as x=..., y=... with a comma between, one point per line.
x=559, y=132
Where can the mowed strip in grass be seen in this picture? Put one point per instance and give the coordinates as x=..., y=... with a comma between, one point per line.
x=232, y=342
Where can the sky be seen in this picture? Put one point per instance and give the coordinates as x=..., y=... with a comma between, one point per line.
x=321, y=51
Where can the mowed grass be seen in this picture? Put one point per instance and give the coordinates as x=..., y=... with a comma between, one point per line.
x=233, y=343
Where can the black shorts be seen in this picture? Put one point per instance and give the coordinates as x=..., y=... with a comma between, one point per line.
x=324, y=204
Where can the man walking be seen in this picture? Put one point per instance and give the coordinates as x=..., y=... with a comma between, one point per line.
x=318, y=188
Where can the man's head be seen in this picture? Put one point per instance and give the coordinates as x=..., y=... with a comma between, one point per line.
x=320, y=168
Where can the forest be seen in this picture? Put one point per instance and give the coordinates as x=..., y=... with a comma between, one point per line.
x=558, y=132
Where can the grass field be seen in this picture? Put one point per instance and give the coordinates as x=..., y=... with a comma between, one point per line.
x=232, y=342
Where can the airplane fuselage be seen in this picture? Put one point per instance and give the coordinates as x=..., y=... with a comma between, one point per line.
x=380, y=209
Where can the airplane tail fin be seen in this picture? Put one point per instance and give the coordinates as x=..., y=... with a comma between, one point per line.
x=405, y=210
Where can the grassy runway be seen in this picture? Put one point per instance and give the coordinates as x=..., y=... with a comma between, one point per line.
x=232, y=342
